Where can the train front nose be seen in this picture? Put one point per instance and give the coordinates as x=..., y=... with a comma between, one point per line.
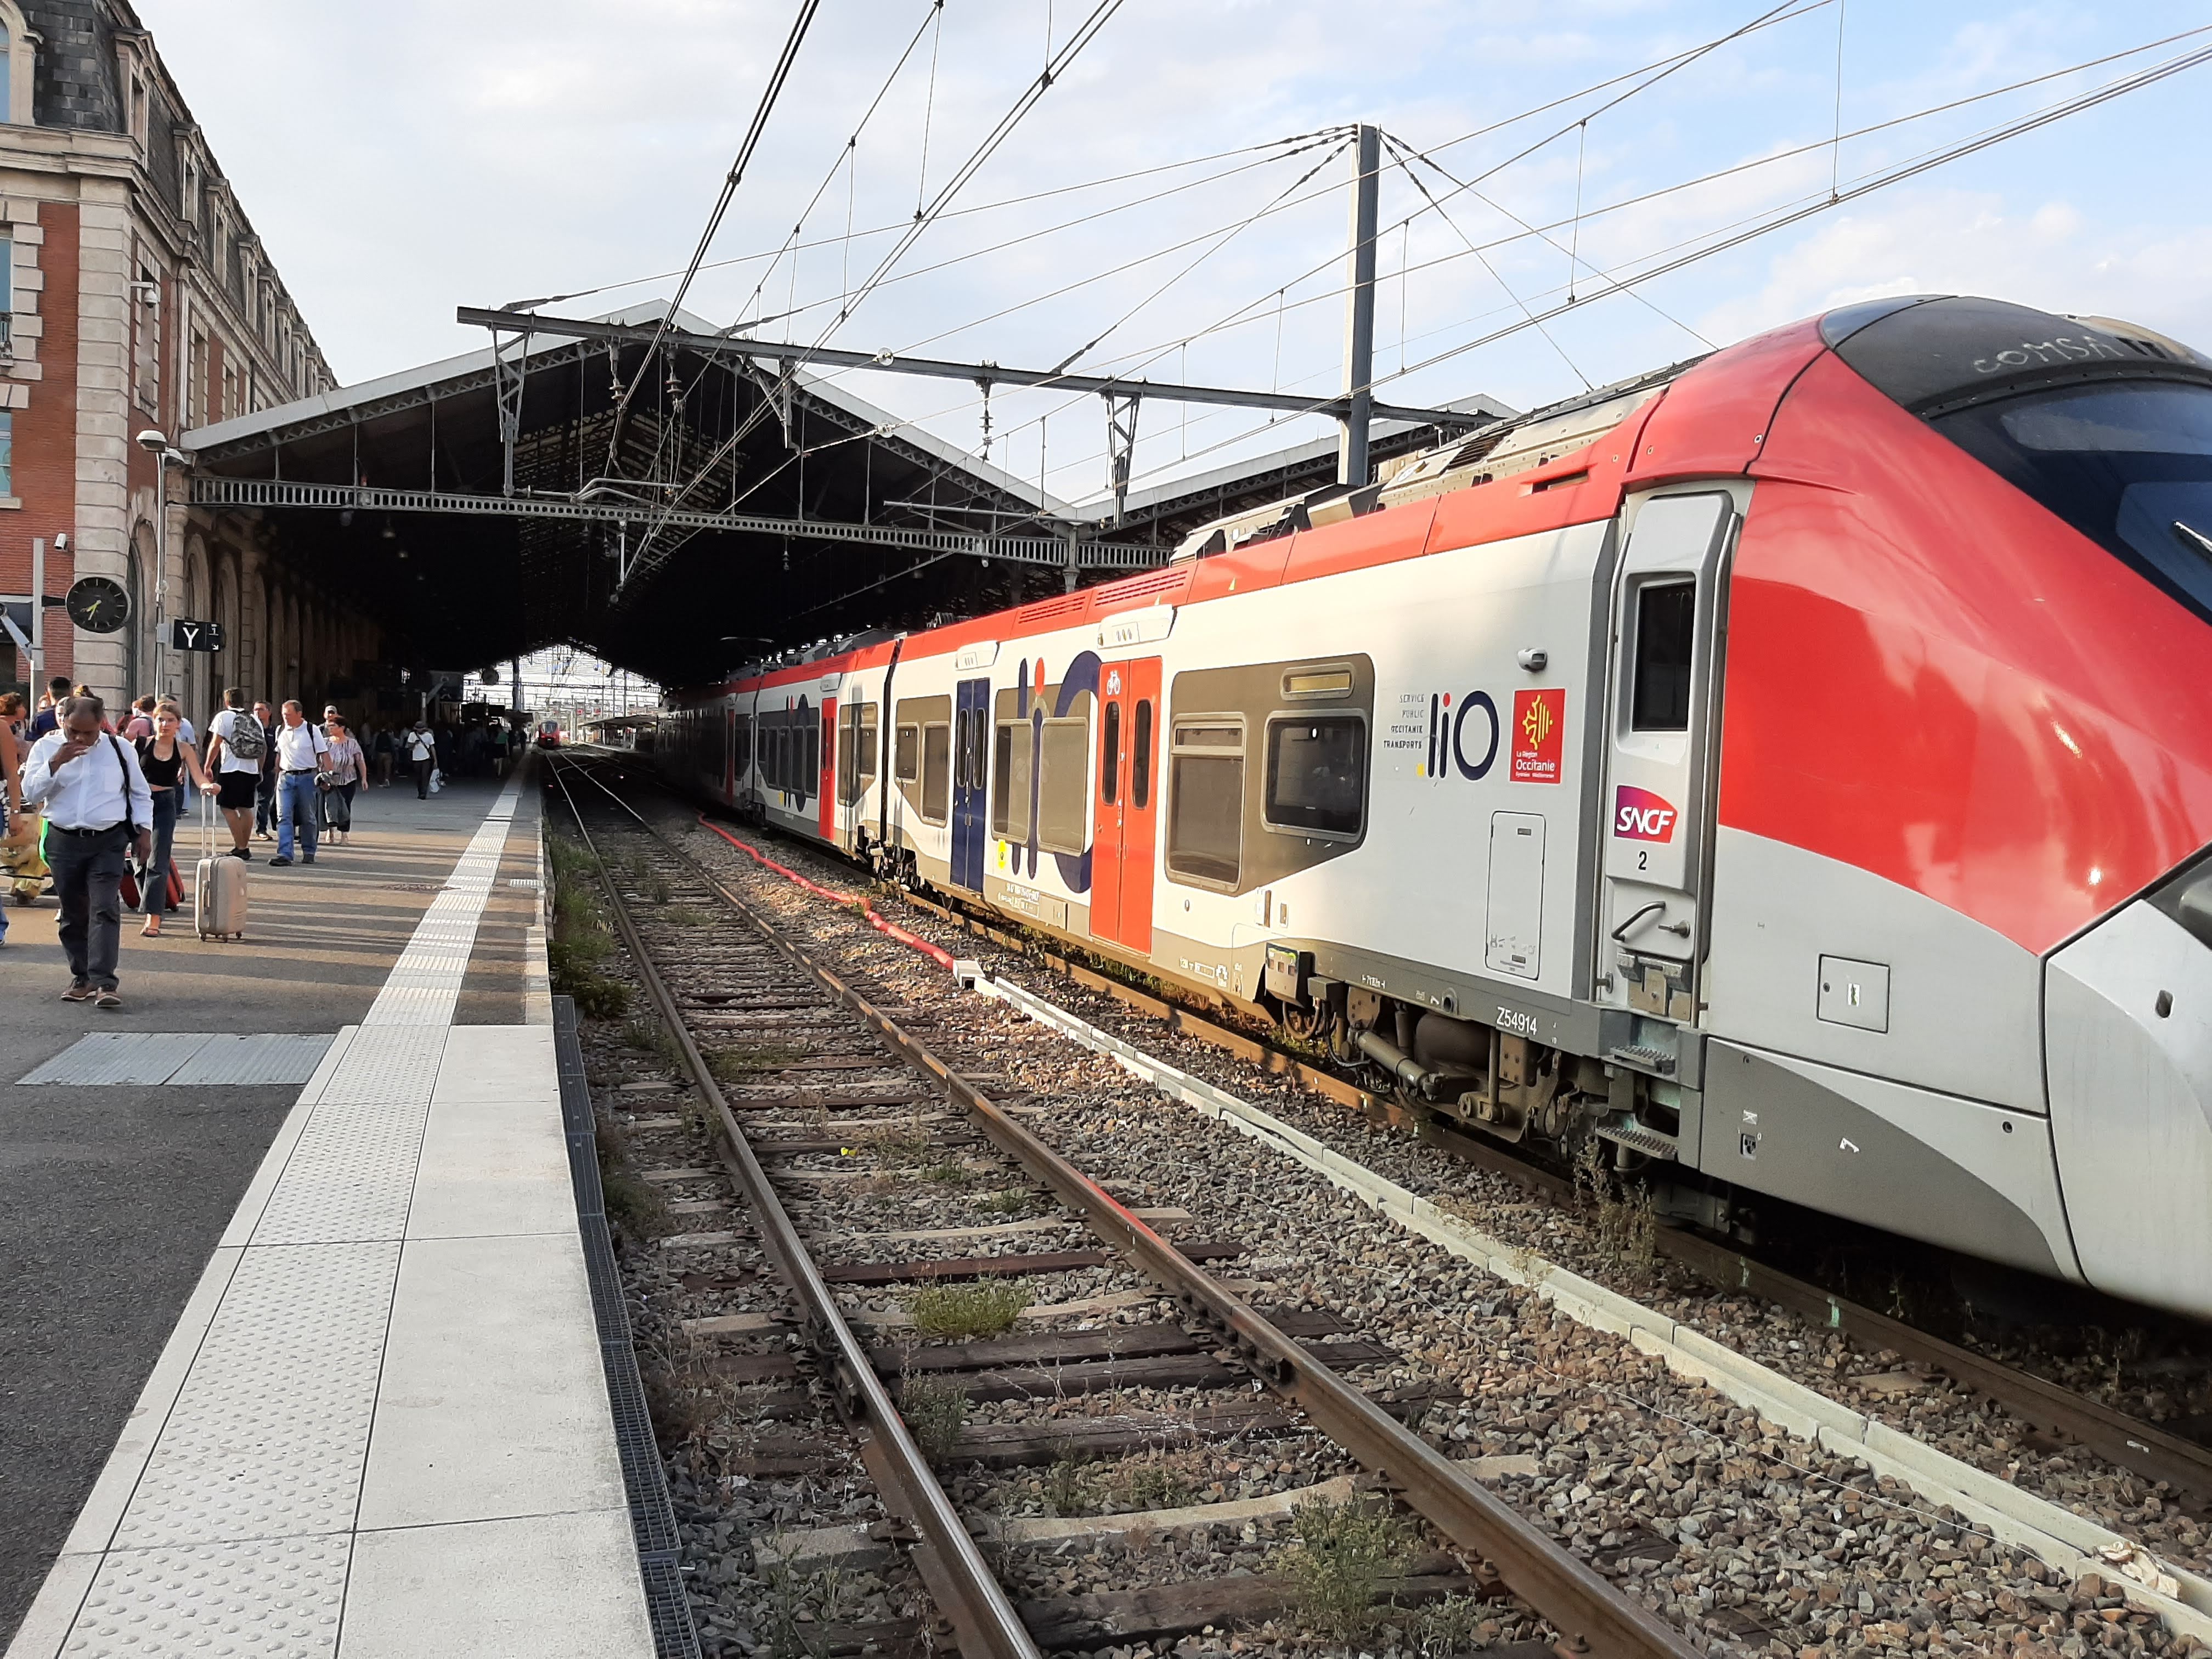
x=2128, y=1050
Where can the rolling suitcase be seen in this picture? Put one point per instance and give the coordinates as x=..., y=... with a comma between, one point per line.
x=218, y=884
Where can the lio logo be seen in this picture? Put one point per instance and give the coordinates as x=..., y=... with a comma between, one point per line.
x=1639, y=815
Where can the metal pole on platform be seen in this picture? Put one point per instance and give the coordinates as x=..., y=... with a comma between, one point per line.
x=38, y=617
x=1359, y=309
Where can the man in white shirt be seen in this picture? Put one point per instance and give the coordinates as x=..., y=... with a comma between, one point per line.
x=98, y=807
x=236, y=745
x=302, y=751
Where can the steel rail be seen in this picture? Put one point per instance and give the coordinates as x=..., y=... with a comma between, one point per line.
x=983, y=1617
x=2125, y=1441
x=1592, y=1616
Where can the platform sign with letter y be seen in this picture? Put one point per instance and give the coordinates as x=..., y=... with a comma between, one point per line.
x=186, y=633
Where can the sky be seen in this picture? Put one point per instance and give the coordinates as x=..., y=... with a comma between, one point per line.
x=1176, y=202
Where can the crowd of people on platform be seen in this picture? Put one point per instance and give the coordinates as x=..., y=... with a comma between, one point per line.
x=92, y=800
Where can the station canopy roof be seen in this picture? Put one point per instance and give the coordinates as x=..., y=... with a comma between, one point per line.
x=488, y=504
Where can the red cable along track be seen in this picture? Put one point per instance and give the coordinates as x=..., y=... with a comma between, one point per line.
x=942, y=958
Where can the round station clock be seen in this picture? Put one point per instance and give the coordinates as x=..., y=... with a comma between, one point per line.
x=99, y=605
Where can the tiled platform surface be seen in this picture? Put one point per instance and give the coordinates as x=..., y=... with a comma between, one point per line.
x=381, y=1427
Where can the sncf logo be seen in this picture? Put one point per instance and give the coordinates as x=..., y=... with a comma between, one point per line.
x=1639, y=815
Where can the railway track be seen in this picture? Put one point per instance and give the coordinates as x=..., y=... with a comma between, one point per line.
x=798, y=1068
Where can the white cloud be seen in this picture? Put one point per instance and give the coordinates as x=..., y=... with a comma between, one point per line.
x=2051, y=255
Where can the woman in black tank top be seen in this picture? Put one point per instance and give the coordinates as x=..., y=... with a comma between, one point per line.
x=167, y=760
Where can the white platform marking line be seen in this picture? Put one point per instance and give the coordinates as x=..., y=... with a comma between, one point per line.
x=424, y=985
x=2056, y=1535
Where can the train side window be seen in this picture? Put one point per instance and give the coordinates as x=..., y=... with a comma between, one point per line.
x=1140, y=762
x=1064, y=790
x=1665, y=624
x=871, y=735
x=810, y=779
x=906, y=753
x=1109, y=755
x=1317, y=776
x=936, y=773
x=848, y=756
x=1206, y=801
x=1010, y=806
x=1667, y=634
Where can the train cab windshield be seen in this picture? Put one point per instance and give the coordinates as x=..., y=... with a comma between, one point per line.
x=2128, y=464
x=2105, y=424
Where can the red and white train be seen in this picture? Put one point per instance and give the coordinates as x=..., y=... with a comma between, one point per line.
x=1795, y=769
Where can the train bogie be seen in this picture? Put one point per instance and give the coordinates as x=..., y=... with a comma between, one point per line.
x=1782, y=785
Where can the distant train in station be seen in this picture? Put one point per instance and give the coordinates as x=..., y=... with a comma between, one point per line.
x=1794, y=769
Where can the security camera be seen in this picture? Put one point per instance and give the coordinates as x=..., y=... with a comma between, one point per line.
x=154, y=439
x=61, y=542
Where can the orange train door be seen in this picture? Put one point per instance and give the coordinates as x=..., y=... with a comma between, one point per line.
x=1126, y=810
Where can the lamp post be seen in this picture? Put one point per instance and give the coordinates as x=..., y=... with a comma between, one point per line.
x=157, y=443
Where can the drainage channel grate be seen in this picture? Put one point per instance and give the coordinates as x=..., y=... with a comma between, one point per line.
x=189, y=1058
x=653, y=1520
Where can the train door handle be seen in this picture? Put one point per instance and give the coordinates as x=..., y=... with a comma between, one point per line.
x=1621, y=934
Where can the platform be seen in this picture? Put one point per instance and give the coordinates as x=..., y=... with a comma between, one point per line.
x=309, y=1368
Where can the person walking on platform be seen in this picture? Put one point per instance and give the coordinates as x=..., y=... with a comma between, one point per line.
x=168, y=760
x=380, y=748
x=264, y=796
x=140, y=723
x=421, y=758
x=15, y=827
x=98, y=809
x=349, y=766
x=48, y=718
x=238, y=746
x=303, y=754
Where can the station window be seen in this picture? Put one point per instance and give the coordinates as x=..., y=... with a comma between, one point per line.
x=7, y=451
x=1317, y=775
x=1666, y=620
x=1206, y=801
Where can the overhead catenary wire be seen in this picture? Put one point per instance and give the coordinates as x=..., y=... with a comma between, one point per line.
x=1760, y=225
x=1627, y=283
x=769, y=94
x=1154, y=353
x=846, y=157
x=1644, y=198
x=1085, y=33
x=1881, y=180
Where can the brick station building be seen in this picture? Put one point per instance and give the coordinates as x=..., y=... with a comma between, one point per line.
x=137, y=296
